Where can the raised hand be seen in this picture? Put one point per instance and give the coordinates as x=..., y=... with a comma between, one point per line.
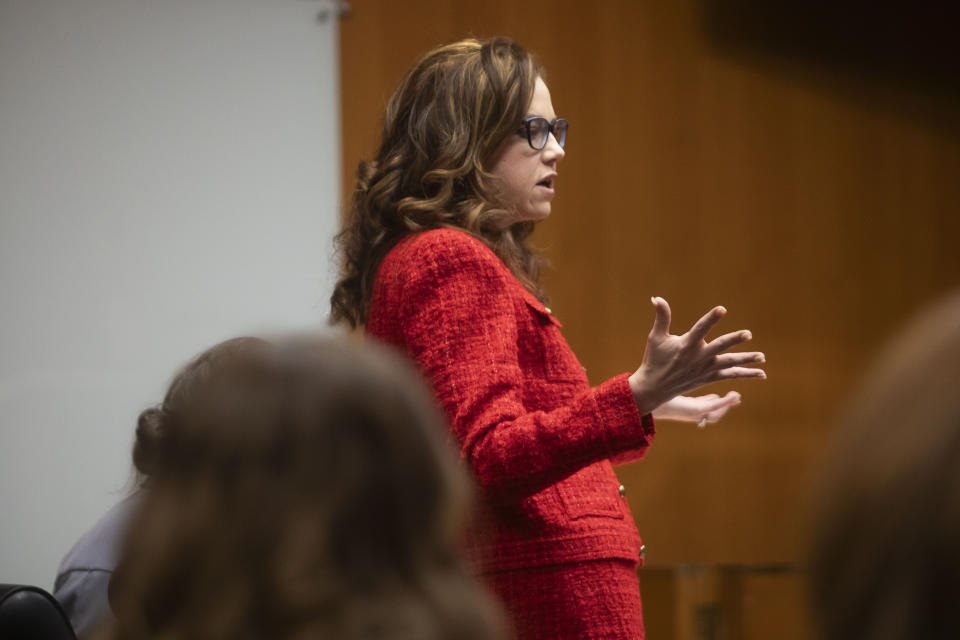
x=673, y=365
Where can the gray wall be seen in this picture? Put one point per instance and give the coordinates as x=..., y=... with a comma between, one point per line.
x=169, y=175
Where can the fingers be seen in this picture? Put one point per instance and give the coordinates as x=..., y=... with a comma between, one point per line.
x=740, y=372
x=727, y=341
x=739, y=358
x=720, y=405
x=727, y=402
x=710, y=402
x=661, y=325
x=731, y=399
x=704, y=324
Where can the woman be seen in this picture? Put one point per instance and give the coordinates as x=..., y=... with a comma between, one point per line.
x=436, y=263
x=302, y=489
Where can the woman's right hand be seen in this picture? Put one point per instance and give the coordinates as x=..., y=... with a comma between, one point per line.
x=673, y=365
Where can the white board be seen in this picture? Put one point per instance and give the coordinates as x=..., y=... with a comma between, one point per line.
x=169, y=177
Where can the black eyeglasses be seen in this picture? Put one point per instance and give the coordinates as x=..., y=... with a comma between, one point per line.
x=538, y=130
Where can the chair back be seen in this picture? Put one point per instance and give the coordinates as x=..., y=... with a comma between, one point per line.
x=30, y=613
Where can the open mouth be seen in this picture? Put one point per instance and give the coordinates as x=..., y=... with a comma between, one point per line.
x=546, y=182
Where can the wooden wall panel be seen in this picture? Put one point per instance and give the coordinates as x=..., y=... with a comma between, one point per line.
x=819, y=207
x=726, y=603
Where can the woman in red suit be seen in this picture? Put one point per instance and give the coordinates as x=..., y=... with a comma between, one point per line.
x=435, y=262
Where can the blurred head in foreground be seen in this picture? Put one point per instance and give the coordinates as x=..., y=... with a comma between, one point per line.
x=298, y=489
x=885, y=561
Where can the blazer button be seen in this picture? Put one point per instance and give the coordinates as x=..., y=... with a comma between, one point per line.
x=643, y=551
x=623, y=491
x=548, y=310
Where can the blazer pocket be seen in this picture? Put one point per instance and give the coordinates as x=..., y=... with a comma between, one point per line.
x=557, y=359
x=592, y=491
x=542, y=312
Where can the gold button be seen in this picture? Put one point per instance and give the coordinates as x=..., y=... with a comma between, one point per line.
x=623, y=491
x=643, y=550
x=548, y=310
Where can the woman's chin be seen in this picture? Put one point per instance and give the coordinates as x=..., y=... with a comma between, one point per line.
x=532, y=215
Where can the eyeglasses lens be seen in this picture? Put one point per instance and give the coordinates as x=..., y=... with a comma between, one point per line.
x=539, y=132
x=560, y=131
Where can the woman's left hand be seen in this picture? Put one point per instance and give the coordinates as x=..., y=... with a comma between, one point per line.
x=702, y=410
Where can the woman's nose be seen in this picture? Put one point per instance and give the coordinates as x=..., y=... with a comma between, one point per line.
x=553, y=152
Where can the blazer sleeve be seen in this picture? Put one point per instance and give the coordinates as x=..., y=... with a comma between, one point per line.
x=459, y=323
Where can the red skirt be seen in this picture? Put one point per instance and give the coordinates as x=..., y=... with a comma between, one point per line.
x=582, y=601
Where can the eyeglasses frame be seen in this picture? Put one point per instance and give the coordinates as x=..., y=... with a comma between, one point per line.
x=551, y=127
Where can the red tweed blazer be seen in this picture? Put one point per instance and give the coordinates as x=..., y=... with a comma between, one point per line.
x=537, y=436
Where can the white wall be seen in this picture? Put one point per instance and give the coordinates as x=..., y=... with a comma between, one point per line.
x=169, y=175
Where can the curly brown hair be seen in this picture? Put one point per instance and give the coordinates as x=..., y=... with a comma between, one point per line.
x=300, y=488
x=450, y=113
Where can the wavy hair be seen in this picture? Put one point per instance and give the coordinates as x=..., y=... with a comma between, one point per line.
x=450, y=113
x=301, y=489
